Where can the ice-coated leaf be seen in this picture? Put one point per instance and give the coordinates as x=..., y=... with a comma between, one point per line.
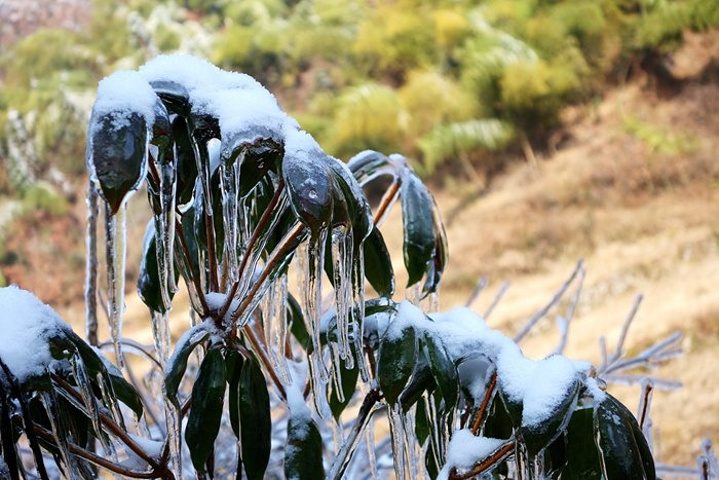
x=582, y=456
x=177, y=364
x=619, y=447
x=233, y=368
x=419, y=232
x=117, y=154
x=443, y=369
x=173, y=95
x=148, y=278
x=186, y=165
x=368, y=165
x=421, y=381
x=538, y=437
x=161, y=129
x=303, y=452
x=255, y=421
x=378, y=264
x=311, y=186
x=358, y=209
x=298, y=327
x=208, y=394
x=259, y=159
x=348, y=385
x=397, y=355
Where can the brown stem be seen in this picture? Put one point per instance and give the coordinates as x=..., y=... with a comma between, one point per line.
x=496, y=457
x=262, y=222
x=386, y=201
x=91, y=457
x=211, y=255
x=109, y=423
x=477, y=423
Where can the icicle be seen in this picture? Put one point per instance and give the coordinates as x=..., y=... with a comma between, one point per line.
x=318, y=386
x=110, y=399
x=230, y=177
x=88, y=397
x=414, y=294
x=116, y=250
x=161, y=335
x=343, y=284
x=172, y=418
x=312, y=295
x=338, y=435
x=359, y=314
x=432, y=303
x=396, y=427
x=91, y=268
x=337, y=372
x=371, y=454
x=281, y=331
x=165, y=228
x=61, y=433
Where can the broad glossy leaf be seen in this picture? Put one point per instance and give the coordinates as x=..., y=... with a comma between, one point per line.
x=117, y=154
x=443, y=369
x=177, y=364
x=297, y=327
x=186, y=164
x=619, y=448
x=420, y=382
x=303, y=451
x=311, y=188
x=538, y=437
x=418, y=220
x=378, y=264
x=234, y=362
x=208, y=395
x=438, y=261
x=148, y=278
x=397, y=356
x=367, y=165
x=582, y=456
x=421, y=424
x=161, y=130
x=258, y=160
x=358, y=208
x=255, y=421
x=173, y=95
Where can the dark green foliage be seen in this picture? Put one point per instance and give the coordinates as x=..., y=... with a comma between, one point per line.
x=255, y=422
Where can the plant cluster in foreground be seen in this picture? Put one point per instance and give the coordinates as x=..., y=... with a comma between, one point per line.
x=261, y=381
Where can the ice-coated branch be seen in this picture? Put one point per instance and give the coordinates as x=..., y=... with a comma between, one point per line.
x=481, y=285
x=497, y=298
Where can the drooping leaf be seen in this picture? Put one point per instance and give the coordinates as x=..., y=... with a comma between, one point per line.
x=117, y=154
x=177, y=364
x=255, y=421
x=582, y=456
x=621, y=455
x=397, y=354
x=208, y=395
x=148, y=278
x=348, y=384
x=258, y=160
x=303, y=451
x=367, y=165
x=297, y=327
x=378, y=264
x=173, y=95
x=538, y=437
x=421, y=381
x=234, y=362
x=419, y=233
x=186, y=164
x=443, y=369
x=358, y=209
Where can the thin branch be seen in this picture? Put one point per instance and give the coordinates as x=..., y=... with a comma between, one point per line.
x=387, y=200
x=481, y=285
x=260, y=351
x=488, y=394
x=497, y=456
x=204, y=310
x=555, y=299
x=625, y=328
x=497, y=298
x=645, y=401
x=570, y=315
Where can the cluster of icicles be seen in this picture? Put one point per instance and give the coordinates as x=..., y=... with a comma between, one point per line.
x=211, y=92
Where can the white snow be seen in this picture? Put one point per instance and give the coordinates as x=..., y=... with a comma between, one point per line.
x=593, y=388
x=194, y=73
x=26, y=324
x=123, y=93
x=465, y=450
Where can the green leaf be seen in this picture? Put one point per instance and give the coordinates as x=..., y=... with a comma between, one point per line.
x=208, y=395
x=234, y=362
x=186, y=164
x=443, y=369
x=582, y=456
x=378, y=264
x=360, y=213
x=419, y=233
x=421, y=381
x=148, y=279
x=421, y=424
x=173, y=95
x=255, y=421
x=259, y=159
x=117, y=154
x=297, y=322
x=619, y=448
x=369, y=164
x=397, y=355
x=348, y=384
x=303, y=452
x=311, y=188
x=538, y=437
x=177, y=364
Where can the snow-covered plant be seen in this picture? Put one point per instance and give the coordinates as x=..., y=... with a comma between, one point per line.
x=274, y=378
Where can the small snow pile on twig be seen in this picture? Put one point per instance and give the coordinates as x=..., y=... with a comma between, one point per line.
x=26, y=324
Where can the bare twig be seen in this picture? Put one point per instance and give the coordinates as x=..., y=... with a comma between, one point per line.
x=497, y=456
x=544, y=310
x=388, y=199
x=481, y=285
x=564, y=334
x=497, y=297
x=480, y=415
x=645, y=402
x=625, y=328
